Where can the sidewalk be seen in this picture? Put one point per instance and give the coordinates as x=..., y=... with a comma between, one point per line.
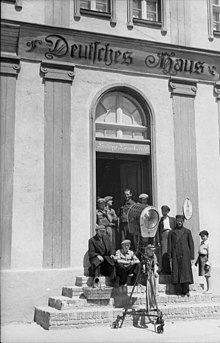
x=199, y=331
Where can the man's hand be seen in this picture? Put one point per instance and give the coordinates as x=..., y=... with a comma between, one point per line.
x=113, y=256
x=100, y=258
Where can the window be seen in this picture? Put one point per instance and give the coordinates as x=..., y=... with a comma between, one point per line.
x=216, y=15
x=95, y=5
x=95, y=8
x=147, y=13
x=213, y=18
x=119, y=116
x=146, y=10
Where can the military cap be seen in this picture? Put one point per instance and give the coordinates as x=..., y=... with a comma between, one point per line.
x=107, y=198
x=100, y=200
x=100, y=227
x=165, y=208
x=126, y=241
x=180, y=216
x=203, y=232
x=143, y=196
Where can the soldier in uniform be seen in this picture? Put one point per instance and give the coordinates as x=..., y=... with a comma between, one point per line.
x=101, y=215
x=112, y=218
x=123, y=215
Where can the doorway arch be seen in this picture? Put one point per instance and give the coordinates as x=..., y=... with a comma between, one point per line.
x=122, y=137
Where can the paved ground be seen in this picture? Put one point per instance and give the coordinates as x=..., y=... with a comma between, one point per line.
x=199, y=331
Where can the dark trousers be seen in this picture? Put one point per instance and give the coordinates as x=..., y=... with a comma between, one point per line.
x=123, y=272
x=104, y=268
x=182, y=288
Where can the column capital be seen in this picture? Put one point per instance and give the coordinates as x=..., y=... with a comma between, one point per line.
x=10, y=65
x=179, y=86
x=217, y=90
x=57, y=71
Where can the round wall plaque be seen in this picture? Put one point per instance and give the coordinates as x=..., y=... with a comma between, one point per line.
x=187, y=208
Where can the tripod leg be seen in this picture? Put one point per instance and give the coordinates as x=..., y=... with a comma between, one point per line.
x=127, y=305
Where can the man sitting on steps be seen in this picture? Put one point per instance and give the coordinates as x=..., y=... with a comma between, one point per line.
x=127, y=263
x=100, y=256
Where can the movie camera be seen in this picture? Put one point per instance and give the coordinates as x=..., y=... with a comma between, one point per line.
x=143, y=223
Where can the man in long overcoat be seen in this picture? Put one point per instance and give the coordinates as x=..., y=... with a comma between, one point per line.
x=101, y=256
x=181, y=252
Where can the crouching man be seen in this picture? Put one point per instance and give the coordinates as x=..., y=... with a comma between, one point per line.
x=126, y=263
x=100, y=256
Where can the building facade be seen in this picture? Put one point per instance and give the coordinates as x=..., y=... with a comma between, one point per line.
x=97, y=96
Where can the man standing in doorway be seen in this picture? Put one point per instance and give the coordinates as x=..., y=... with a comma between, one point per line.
x=166, y=224
x=123, y=215
x=181, y=252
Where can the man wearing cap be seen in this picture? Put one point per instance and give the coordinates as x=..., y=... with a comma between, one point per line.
x=181, y=252
x=101, y=216
x=127, y=263
x=123, y=215
x=101, y=256
x=166, y=224
x=144, y=199
x=112, y=218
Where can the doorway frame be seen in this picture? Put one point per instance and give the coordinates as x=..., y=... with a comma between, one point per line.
x=145, y=103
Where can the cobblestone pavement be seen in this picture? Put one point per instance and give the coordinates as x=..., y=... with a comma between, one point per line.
x=201, y=331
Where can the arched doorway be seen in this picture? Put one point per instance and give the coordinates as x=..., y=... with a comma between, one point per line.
x=123, y=146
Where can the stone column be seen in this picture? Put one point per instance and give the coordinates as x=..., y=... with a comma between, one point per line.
x=183, y=92
x=9, y=71
x=58, y=78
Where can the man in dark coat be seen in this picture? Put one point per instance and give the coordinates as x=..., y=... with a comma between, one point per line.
x=181, y=252
x=123, y=216
x=166, y=224
x=100, y=256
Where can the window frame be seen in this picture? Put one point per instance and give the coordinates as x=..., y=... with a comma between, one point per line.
x=161, y=23
x=211, y=32
x=111, y=15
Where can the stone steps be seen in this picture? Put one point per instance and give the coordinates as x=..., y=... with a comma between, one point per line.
x=51, y=318
x=72, y=309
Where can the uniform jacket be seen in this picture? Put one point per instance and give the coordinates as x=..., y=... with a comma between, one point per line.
x=181, y=251
x=123, y=211
x=96, y=247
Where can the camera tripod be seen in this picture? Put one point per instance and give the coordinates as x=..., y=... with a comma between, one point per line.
x=153, y=313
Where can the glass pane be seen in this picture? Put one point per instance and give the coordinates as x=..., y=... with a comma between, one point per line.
x=110, y=133
x=127, y=134
x=111, y=117
x=100, y=112
x=137, y=118
x=99, y=133
x=126, y=117
x=137, y=13
x=102, y=6
x=152, y=10
x=85, y=4
x=138, y=135
x=109, y=102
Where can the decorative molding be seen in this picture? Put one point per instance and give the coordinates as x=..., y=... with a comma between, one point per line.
x=10, y=66
x=57, y=71
x=9, y=38
x=17, y=3
x=217, y=90
x=164, y=16
x=210, y=20
x=183, y=87
x=130, y=14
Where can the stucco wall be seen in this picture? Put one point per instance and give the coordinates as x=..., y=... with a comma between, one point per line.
x=186, y=21
x=27, y=221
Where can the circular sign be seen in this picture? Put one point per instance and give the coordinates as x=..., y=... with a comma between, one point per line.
x=187, y=209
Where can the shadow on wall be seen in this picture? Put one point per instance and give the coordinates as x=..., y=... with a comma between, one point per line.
x=86, y=264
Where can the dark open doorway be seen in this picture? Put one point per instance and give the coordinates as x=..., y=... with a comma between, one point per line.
x=116, y=172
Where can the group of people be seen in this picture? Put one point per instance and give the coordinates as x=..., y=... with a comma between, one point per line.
x=173, y=247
